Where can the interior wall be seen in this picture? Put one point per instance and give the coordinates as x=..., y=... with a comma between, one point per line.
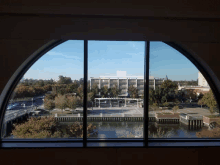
x=195, y=26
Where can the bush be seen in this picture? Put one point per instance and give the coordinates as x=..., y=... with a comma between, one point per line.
x=48, y=128
x=175, y=108
x=166, y=104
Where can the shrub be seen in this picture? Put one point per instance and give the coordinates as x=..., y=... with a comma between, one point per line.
x=48, y=128
x=175, y=108
x=166, y=104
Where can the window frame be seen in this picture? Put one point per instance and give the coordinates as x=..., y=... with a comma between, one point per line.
x=134, y=142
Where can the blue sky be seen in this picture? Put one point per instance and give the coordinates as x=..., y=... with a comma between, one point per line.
x=108, y=57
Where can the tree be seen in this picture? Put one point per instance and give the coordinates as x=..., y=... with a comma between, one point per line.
x=104, y=91
x=94, y=92
x=61, y=102
x=49, y=104
x=48, y=127
x=201, y=102
x=156, y=96
x=64, y=80
x=175, y=108
x=71, y=102
x=80, y=91
x=200, y=96
x=168, y=88
x=73, y=87
x=210, y=101
x=115, y=91
x=133, y=91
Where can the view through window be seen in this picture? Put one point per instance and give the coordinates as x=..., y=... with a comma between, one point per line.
x=48, y=101
x=181, y=103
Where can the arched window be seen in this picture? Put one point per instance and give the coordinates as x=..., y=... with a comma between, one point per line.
x=110, y=93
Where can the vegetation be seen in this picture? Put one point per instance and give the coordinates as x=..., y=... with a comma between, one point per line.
x=115, y=91
x=105, y=91
x=166, y=104
x=153, y=107
x=133, y=91
x=175, y=108
x=187, y=83
x=201, y=102
x=48, y=128
x=209, y=100
x=166, y=92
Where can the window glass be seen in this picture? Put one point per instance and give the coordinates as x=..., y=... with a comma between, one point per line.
x=181, y=103
x=48, y=100
x=115, y=98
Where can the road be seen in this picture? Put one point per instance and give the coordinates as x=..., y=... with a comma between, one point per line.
x=38, y=101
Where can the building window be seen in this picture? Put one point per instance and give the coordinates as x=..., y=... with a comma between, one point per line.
x=116, y=112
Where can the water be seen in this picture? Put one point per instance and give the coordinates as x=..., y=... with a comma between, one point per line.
x=114, y=129
x=135, y=130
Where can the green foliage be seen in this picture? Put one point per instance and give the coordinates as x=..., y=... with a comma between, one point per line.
x=175, y=108
x=200, y=96
x=201, y=102
x=64, y=80
x=50, y=96
x=49, y=104
x=80, y=91
x=37, y=128
x=115, y=91
x=153, y=107
x=48, y=128
x=61, y=102
x=210, y=101
x=156, y=96
x=76, y=130
x=133, y=91
x=104, y=91
x=72, y=102
x=165, y=104
x=168, y=90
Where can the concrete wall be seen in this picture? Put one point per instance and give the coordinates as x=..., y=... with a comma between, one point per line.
x=28, y=25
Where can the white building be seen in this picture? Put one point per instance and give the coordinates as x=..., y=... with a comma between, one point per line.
x=202, y=81
x=123, y=82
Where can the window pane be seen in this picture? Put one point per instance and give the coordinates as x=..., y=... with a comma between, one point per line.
x=177, y=95
x=52, y=88
x=115, y=98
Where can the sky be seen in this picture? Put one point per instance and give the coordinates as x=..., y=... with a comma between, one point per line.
x=105, y=58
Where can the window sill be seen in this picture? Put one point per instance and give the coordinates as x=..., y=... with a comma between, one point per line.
x=100, y=143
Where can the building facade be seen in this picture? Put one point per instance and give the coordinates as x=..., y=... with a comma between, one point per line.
x=202, y=81
x=124, y=82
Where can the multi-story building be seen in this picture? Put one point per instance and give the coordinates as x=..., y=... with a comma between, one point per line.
x=202, y=81
x=123, y=82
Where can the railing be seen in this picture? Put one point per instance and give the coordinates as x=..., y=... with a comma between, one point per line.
x=16, y=114
x=102, y=115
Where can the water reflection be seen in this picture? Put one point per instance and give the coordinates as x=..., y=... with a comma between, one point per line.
x=135, y=130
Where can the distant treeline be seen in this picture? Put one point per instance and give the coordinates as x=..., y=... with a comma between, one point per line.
x=33, y=87
x=187, y=83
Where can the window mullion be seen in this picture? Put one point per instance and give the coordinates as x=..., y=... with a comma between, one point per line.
x=85, y=93
x=146, y=90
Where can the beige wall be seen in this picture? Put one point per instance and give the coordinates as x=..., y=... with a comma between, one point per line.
x=192, y=25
